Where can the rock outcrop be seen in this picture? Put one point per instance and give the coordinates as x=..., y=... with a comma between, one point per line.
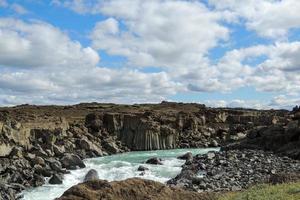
x=130, y=189
x=283, y=139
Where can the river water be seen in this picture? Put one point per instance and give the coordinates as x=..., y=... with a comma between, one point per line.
x=118, y=167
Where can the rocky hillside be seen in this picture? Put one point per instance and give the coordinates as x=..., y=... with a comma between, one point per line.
x=47, y=141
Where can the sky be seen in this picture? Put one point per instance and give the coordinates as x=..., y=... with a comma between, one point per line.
x=223, y=53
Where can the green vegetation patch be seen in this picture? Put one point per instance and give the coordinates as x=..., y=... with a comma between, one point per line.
x=287, y=191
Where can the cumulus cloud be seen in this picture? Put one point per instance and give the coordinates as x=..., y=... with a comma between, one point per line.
x=38, y=44
x=41, y=61
x=277, y=102
x=269, y=18
x=158, y=33
x=237, y=103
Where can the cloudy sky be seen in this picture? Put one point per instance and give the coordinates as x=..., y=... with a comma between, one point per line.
x=218, y=52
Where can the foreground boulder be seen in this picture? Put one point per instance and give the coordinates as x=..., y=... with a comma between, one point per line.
x=154, y=161
x=130, y=189
x=91, y=175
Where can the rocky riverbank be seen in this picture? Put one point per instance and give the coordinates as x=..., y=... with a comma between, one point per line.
x=234, y=170
x=47, y=141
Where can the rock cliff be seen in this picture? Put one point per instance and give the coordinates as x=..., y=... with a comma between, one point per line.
x=283, y=139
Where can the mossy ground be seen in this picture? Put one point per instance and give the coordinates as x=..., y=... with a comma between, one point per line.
x=286, y=191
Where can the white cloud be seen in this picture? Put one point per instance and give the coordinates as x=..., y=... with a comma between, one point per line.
x=283, y=101
x=158, y=33
x=269, y=18
x=277, y=102
x=38, y=44
x=237, y=103
x=39, y=61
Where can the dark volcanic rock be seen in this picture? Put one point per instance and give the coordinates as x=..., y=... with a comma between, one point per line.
x=56, y=179
x=233, y=170
x=142, y=168
x=130, y=189
x=91, y=175
x=283, y=139
x=71, y=161
x=186, y=156
x=154, y=161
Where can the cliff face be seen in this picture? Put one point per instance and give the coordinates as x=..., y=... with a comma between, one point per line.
x=46, y=141
x=161, y=130
x=282, y=139
x=14, y=133
x=139, y=127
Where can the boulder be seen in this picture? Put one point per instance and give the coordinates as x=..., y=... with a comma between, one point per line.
x=38, y=180
x=17, y=152
x=55, y=164
x=142, y=168
x=210, y=155
x=58, y=150
x=214, y=143
x=129, y=189
x=72, y=161
x=186, y=156
x=38, y=161
x=154, y=161
x=111, y=147
x=91, y=175
x=5, y=149
x=38, y=169
x=56, y=179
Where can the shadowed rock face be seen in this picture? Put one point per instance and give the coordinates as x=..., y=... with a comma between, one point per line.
x=130, y=189
x=283, y=139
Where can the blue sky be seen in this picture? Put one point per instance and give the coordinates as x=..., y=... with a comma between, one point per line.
x=132, y=51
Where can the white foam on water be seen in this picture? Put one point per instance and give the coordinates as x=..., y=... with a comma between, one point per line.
x=118, y=167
